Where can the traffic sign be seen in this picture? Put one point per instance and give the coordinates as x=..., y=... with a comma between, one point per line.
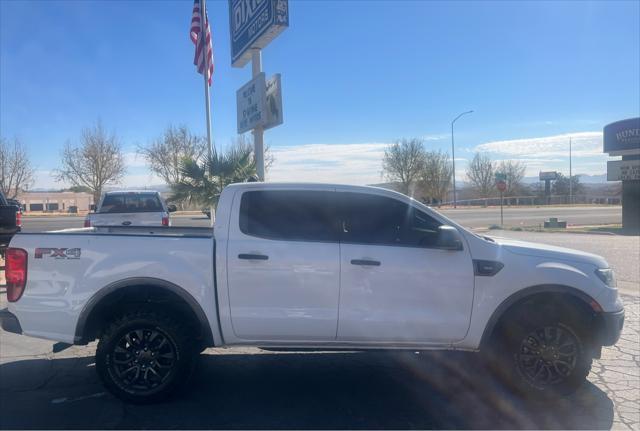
x=253, y=24
x=499, y=176
x=251, y=104
x=502, y=186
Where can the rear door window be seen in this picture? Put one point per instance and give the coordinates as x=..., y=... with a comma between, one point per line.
x=289, y=215
x=130, y=203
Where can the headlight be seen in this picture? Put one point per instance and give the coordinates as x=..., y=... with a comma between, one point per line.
x=607, y=277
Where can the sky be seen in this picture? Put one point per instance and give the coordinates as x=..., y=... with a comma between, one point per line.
x=356, y=75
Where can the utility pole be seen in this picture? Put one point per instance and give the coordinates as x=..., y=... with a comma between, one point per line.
x=570, y=175
x=453, y=158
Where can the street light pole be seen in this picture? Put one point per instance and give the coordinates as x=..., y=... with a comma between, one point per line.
x=453, y=157
x=570, y=176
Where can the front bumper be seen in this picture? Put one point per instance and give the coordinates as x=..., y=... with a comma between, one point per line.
x=10, y=322
x=611, y=327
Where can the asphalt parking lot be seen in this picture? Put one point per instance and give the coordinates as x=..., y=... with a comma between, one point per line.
x=249, y=388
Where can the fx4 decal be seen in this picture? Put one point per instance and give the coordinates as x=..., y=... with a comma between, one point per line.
x=58, y=253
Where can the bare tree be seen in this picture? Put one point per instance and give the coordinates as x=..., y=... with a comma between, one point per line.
x=403, y=162
x=242, y=143
x=480, y=174
x=16, y=171
x=435, y=175
x=96, y=162
x=165, y=154
x=514, y=171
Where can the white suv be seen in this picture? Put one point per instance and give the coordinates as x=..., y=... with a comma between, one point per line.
x=131, y=208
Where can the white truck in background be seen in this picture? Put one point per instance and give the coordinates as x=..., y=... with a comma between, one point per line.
x=294, y=266
x=130, y=208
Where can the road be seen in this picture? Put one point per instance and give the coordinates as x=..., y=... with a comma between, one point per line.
x=246, y=388
x=534, y=216
x=475, y=218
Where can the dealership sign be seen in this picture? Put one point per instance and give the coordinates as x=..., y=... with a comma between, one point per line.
x=273, y=100
x=253, y=24
x=622, y=138
x=548, y=176
x=623, y=170
x=251, y=104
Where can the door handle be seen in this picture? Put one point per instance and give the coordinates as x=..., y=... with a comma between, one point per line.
x=365, y=262
x=249, y=256
x=126, y=223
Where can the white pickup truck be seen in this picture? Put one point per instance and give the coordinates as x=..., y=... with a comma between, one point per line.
x=131, y=208
x=303, y=266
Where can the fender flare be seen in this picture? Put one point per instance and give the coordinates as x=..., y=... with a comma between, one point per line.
x=524, y=294
x=142, y=281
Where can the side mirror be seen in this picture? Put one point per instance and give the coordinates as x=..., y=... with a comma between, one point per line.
x=172, y=208
x=449, y=238
x=92, y=207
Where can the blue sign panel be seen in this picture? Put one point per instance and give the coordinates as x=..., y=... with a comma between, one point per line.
x=253, y=24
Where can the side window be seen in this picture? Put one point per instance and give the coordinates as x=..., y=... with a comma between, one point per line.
x=289, y=215
x=379, y=220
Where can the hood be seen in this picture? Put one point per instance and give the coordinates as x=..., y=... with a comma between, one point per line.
x=550, y=252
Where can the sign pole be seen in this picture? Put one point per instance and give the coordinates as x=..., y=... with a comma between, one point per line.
x=258, y=132
x=501, y=212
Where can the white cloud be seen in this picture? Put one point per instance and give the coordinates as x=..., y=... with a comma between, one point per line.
x=584, y=144
x=437, y=137
x=328, y=163
x=140, y=180
x=134, y=160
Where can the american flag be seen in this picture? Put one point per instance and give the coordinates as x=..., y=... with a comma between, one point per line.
x=204, y=50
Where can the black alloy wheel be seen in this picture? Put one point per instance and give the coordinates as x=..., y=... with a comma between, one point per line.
x=146, y=355
x=548, y=355
x=142, y=360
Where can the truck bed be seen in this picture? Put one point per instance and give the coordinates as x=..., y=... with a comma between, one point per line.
x=71, y=269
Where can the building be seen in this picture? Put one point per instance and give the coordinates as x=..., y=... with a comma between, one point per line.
x=55, y=201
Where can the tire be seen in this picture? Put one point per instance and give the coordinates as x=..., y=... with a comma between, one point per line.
x=144, y=356
x=543, y=350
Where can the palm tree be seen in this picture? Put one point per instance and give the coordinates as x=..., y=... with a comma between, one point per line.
x=202, y=182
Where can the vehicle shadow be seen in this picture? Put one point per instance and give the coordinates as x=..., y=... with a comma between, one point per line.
x=298, y=390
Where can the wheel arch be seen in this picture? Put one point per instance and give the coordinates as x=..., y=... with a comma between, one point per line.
x=146, y=289
x=539, y=291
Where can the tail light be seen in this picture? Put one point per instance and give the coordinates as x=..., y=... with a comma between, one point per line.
x=87, y=222
x=165, y=220
x=18, y=219
x=15, y=267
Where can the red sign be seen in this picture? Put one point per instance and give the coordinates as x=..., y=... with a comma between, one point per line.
x=501, y=185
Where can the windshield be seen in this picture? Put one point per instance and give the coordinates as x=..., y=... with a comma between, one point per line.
x=130, y=203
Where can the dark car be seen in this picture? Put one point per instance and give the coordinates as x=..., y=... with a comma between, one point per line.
x=10, y=220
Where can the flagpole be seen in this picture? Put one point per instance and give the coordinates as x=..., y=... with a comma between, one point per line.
x=207, y=102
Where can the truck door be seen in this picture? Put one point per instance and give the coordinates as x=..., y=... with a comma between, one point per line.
x=396, y=285
x=283, y=265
